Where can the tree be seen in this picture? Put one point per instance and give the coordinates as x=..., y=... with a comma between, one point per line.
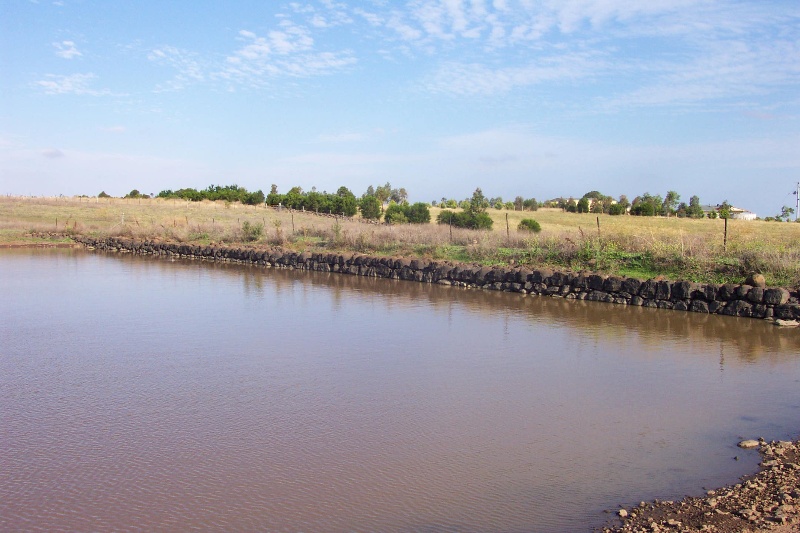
x=670, y=203
x=583, y=205
x=530, y=204
x=370, y=207
x=478, y=203
x=345, y=202
x=103, y=195
x=724, y=210
x=786, y=213
x=519, y=203
x=647, y=205
x=595, y=195
x=383, y=192
x=694, y=210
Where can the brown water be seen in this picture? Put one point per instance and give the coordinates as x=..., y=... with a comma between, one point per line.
x=156, y=395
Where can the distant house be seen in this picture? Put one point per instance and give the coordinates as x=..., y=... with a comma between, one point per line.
x=736, y=212
x=742, y=214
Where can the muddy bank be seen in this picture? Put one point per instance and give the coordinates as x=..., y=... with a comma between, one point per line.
x=766, y=501
x=754, y=301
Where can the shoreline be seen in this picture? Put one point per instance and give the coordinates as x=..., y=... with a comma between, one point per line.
x=766, y=501
x=779, y=305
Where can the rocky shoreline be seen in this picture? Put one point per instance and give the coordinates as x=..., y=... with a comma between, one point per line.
x=766, y=501
x=752, y=299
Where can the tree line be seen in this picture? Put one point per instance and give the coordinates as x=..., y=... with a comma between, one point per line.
x=227, y=193
x=391, y=204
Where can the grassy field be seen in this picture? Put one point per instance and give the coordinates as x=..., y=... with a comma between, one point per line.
x=630, y=246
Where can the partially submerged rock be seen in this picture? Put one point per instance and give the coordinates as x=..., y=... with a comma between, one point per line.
x=749, y=444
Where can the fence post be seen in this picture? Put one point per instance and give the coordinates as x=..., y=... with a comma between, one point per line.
x=725, y=237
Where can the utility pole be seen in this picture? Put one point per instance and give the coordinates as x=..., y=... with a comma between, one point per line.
x=797, y=202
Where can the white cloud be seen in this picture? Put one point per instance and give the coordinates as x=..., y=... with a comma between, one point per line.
x=727, y=70
x=67, y=50
x=478, y=80
x=73, y=84
x=187, y=64
x=288, y=51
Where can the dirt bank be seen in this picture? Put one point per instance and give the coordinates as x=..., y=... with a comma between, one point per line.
x=766, y=501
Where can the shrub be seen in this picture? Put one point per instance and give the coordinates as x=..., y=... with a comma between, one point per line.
x=529, y=224
x=404, y=213
x=252, y=232
x=465, y=219
x=395, y=214
x=616, y=209
x=370, y=208
x=418, y=213
x=395, y=217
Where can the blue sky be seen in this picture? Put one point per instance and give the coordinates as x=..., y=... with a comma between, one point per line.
x=538, y=98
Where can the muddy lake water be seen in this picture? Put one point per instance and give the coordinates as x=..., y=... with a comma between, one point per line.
x=148, y=394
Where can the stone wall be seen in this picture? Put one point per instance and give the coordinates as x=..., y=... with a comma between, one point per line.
x=728, y=299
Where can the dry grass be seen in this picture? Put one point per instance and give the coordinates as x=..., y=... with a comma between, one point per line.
x=637, y=246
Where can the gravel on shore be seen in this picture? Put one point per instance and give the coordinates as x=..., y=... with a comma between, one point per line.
x=766, y=501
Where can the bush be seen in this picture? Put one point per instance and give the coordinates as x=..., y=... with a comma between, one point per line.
x=370, y=208
x=395, y=217
x=418, y=213
x=529, y=224
x=404, y=213
x=395, y=214
x=616, y=209
x=252, y=232
x=465, y=219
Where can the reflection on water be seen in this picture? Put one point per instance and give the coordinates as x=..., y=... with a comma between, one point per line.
x=153, y=394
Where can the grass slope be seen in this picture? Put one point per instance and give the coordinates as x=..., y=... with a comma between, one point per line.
x=641, y=247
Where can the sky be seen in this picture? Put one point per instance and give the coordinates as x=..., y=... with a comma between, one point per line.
x=532, y=98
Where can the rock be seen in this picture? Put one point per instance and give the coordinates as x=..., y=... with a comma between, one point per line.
x=756, y=280
x=746, y=444
x=776, y=296
x=786, y=323
x=623, y=513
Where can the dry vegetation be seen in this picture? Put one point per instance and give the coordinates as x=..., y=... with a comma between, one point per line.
x=623, y=245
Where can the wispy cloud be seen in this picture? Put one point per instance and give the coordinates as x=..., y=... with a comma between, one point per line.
x=475, y=79
x=67, y=50
x=288, y=51
x=187, y=64
x=78, y=84
x=726, y=70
